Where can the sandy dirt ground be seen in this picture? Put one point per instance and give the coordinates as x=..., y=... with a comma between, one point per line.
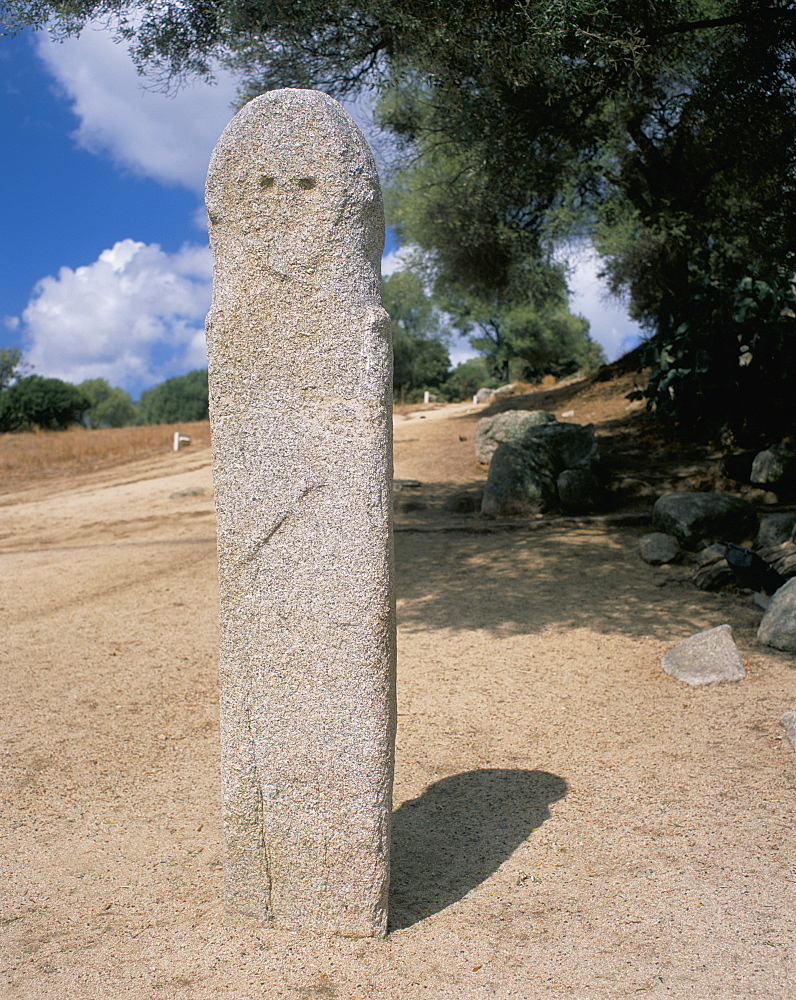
x=569, y=820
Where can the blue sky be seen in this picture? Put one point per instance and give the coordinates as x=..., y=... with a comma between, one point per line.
x=105, y=270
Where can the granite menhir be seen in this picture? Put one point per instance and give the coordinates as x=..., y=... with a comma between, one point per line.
x=300, y=371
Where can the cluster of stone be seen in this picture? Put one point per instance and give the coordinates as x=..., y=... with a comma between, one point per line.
x=537, y=463
x=761, y=556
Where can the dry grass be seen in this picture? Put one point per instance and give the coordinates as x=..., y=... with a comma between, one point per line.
x=37, y=455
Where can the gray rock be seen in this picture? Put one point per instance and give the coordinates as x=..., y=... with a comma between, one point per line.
x=781, y=557
x=572, y=446
x=788, y=720
x=774, y=467
x=778, y=627
x=712, y=569
x=524, y=474
x=657, y=548
x=708, y=657
x=579, y=490
x=483, y=395
x=711, y=554
x=519, y=482
x=775, y=529
x=300, y=379
x=696, y=519
x=714, y=576
x=505, y=427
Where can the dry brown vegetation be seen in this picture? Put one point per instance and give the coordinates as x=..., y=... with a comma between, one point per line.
x=49, y=453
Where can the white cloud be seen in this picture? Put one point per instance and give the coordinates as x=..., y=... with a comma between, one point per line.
x=396, y=260
x=134, y=317
x=168, y=139
x=611, y=326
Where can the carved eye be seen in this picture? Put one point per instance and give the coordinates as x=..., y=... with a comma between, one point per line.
x=266, y=183
x=307, y=183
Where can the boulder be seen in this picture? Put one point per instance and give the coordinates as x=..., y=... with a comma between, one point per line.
x=506, y=427
x=781, y=557
x=712, y=569
x=775, y=529
x=579, y=490
x=483, y=395
x=778, y=627
x=696, y=519
x=573, y=446
x=524, y=474
x=657, y=548
x=520, y=482
x=503, y=391
x=775, y=467
x=708, y=657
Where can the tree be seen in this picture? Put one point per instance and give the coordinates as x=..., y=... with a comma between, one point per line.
x=47, y=403
x=12, y=365
x=665, y=131
x=467, y=378
x=181, y=399
x=420, y=354
x=108, y=406
x=524, y=342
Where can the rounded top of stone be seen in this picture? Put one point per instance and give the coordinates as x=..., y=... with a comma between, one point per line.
x=296, y=141
x=292, y=189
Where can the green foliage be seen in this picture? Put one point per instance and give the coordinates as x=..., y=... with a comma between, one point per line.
x=467, y=378
x=726, y=371
x=420, y=353
x=46, y=403
x=12, y=365
x=525, y=330
x=181, y=399
x=523, y=342
x=108, y=406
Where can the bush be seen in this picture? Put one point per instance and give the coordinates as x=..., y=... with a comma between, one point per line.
x=726, y=371
x=109, y=406
x=181, y=399
x=47, y=403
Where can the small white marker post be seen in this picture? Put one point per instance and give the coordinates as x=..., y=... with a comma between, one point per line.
x=180, y=440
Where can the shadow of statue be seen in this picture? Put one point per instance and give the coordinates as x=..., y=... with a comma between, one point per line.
x=458, y=832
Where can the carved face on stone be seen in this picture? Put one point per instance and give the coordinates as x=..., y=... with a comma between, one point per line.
x=296, y=199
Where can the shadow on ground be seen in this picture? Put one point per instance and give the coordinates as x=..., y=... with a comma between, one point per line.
x=525, y=582
x=458, y=832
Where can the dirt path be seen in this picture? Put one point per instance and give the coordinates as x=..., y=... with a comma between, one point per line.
x=569, y=821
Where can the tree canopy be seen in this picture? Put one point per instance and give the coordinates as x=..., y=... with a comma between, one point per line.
x=663, y=131
x=419, y=340
x=109, y=406
x=181, y=399
x=46, y=403
x=12, y=365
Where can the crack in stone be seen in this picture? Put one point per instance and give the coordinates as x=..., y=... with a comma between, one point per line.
x=259, y=819
x=257, y=549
